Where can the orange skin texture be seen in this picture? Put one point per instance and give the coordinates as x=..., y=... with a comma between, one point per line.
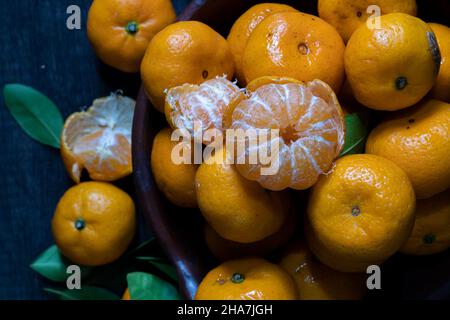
x=262, y=281
x=106, y=29
x=441, y=89
x=315, y=281
x=225, y=249
x=176, y=181
x=418, y=141
x=244, y=26
x=431, y=233
x=184, y=52
x=392, y=67
x=360, y=214
x=295, y=45
x=238, y=209
x=109, y=217
x=347, y=15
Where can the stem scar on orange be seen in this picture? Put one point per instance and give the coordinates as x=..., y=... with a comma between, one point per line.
x=120, y=30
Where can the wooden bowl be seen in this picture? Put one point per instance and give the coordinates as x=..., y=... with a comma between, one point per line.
x=180, y=231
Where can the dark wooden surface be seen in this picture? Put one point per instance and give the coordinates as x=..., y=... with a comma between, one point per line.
x=37, y=49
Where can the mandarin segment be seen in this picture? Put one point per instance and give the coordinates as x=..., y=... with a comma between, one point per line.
x=311, y=131
x=99, y=139
x=209, y=105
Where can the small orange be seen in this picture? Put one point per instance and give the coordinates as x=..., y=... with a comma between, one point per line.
x=295, y=45
x=360, y=214
x=244, y=26
x=394, y=66
x=316, y=281
x=184, y=52
x=310, y=127
x=176, y=181
x=431, y=233
x=209, y=105
x=224, y=249
x=441, y=89
x=238, y=209
x=126, y=295
x=94, y=222
x=247, y=279
x=99, y=140
x=120, y=30
x=418, y=141
x=347, y=15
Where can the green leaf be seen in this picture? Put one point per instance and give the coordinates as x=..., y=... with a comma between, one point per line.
x=52, y=265
x=85, y=293
x=140, y=246
x=355, y=135
x=164, y=267
x=145, y=286
x=36, y=114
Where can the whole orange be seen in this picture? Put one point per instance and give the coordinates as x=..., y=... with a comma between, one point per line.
x=224, y=249
x=360, y=214
x=418, y=141
x=392, y=66
x=120, y=30
x=431, y=233
x=94, y=222
x=184, y=52
x=176, y=181
x=441, y=89
x=238, y=209
x=247, y=279
x=244, y=26
x=295, y=45
x=347, y=15
x=315, y=281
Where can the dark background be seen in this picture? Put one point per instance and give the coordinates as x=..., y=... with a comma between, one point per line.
x=38, y=50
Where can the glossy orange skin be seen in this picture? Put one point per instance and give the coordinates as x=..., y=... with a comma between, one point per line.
x=347, y=15
x=108, y=215
x=418, y=141
x=394, y=66
x=184, y=52
x=360, y=214
x=244, y=26
x=107, y=29
x=441, y=89
x=262, y=281
x=176, y=181
x=431, y=233
x=316, y=281
x=224, y=249
x=295, y=45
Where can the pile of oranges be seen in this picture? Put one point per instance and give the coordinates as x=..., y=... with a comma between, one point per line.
x=292, y=72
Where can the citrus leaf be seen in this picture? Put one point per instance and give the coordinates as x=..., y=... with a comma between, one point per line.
x=85, y=293
x=164, y=267
x=36, y=114
x=355, y=134
x=145, y=286
x=52, y=265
